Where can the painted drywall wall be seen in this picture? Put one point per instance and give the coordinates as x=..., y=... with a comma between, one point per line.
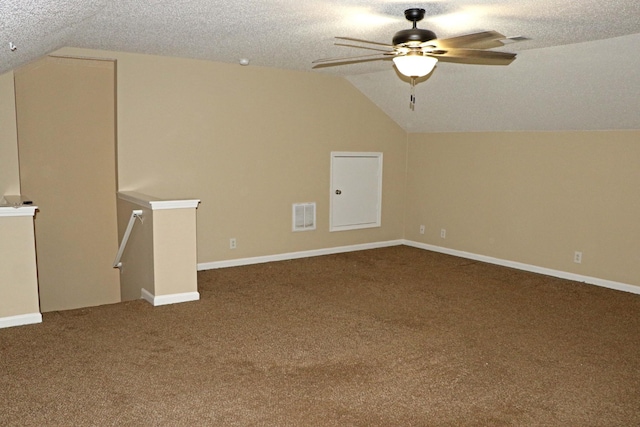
x=65, y=114
x=533, y=198
x=529, y=197
x=174, y=249
x=9, y=174
x=248, y=142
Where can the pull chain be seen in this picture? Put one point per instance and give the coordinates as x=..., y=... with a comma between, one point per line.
x=412, y=98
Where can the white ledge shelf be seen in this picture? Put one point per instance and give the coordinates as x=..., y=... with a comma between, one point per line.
x=17, y=211
x=155, y=203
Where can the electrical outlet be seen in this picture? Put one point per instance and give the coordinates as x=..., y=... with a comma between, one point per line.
x=422, y=229
x=443, y=233
x=577, y=257
x=232, y=243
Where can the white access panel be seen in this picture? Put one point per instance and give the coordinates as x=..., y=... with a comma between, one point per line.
x=356, y=190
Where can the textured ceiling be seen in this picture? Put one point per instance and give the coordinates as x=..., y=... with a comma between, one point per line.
x=558, y=60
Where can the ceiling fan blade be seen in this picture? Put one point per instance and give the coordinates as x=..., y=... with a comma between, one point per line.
x=473, y=56
x=363, y=47
x=347, y=61
x=370, y=57
x=481, y=40
x=364, y=41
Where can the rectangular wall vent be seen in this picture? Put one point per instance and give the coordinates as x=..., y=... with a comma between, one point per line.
x=304, y=216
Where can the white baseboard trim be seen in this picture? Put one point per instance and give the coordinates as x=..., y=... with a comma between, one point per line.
x=22, y=319
x=169, y=299
x=295, y=255
x=528, y=267
x=469, y=255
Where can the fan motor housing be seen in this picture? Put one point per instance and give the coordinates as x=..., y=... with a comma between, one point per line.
x=413, y=35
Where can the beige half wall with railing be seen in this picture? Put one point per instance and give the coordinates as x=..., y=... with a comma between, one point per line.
x=159, y=259
x=19, y=303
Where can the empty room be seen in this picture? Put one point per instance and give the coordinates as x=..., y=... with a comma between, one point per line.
x=324, y=213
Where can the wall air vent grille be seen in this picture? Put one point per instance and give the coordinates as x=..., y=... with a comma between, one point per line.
x=304, y=216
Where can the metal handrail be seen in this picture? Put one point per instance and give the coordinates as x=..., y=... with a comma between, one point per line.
x=137, y=213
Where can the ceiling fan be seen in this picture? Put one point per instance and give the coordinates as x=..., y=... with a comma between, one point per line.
x=416, y=51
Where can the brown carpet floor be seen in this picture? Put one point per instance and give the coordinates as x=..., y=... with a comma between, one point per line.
x=387, y=337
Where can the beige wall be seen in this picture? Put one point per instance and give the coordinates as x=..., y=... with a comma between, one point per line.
x=533, y=198
x=249, y=142
x=65, y=114
x=174, y=249
x=9, y=176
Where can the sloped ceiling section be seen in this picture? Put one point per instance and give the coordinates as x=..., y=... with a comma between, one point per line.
x=30, y=29
x=558, y=88
x=567, y=50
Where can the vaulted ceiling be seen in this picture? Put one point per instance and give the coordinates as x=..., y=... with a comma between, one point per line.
x=579, y=70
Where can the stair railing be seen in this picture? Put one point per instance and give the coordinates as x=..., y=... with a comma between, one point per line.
x=136, y=213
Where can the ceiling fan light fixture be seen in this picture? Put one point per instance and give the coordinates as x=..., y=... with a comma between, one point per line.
x=415, y=65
